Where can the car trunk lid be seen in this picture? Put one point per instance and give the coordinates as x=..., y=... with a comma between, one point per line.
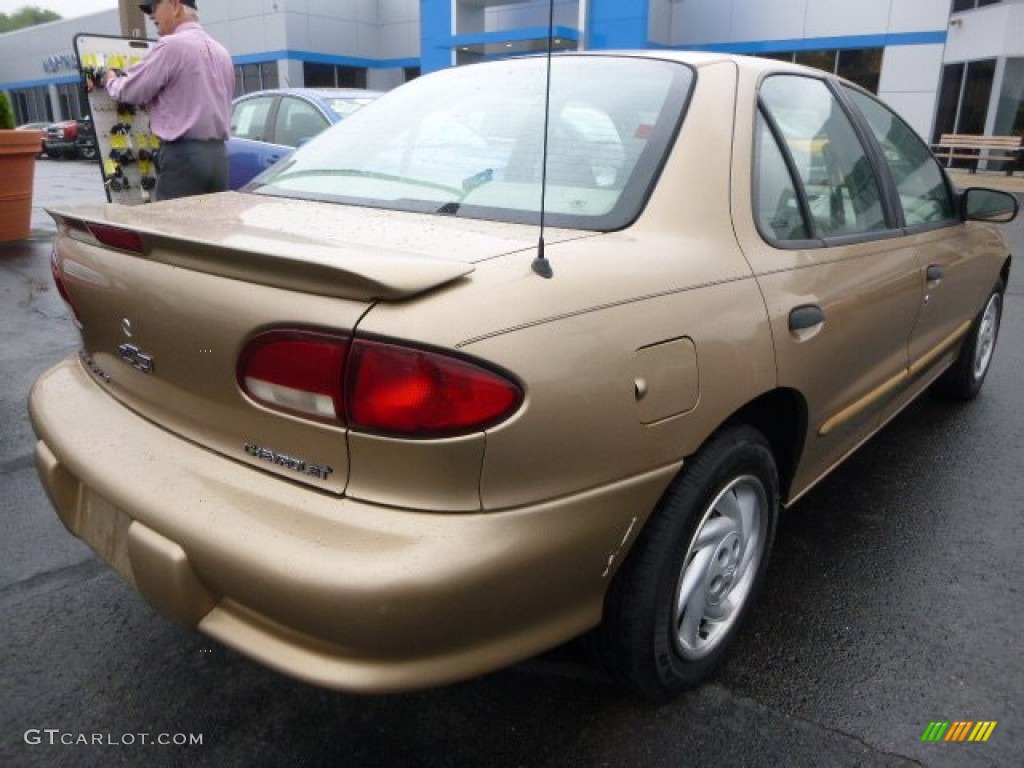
x=167, y=306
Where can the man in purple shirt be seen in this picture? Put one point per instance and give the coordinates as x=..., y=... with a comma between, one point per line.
x=187, y=80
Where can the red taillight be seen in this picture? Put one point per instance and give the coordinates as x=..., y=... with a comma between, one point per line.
x=115, y=237
x=296, y=371
x=407, y=391
x=62, y=288
x=374, y=386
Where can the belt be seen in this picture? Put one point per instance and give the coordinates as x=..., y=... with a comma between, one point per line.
x=186, y=140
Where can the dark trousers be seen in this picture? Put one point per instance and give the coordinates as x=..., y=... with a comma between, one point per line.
x=190, y=167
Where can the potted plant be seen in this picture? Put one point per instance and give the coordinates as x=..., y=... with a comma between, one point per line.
x=18, y=150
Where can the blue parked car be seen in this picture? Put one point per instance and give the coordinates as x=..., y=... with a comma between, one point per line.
x=267, y=125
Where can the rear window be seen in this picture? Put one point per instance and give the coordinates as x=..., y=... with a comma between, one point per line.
x=469, y=142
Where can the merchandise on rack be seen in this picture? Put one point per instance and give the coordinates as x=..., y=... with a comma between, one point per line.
x=128, y=151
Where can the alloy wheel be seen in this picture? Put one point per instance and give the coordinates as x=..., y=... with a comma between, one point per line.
x=720, y=567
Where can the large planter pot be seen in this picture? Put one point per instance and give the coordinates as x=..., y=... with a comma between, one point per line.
x=18, y=151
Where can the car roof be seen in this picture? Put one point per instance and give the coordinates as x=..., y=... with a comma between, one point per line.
x=693, y=58
x=752, y=64
x=321, y=93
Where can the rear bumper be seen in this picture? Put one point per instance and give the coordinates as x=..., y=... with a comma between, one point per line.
x=59, y=147
x=330, y=590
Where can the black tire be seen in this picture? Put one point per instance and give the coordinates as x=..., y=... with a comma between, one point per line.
x=645, y=640
x=87, y=153
x=963, y=379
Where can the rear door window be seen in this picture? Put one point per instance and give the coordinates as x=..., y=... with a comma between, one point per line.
x=842, y=192
x=780, y=215
x=249, y=118
x=297, y=121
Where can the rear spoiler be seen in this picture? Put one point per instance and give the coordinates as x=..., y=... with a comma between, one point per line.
x=362, y=273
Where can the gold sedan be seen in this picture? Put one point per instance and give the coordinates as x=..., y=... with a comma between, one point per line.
x=490, y=365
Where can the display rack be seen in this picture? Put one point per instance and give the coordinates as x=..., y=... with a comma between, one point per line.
x=127, y=147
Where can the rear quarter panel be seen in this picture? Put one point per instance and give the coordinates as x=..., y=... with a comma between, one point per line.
x=577, y=340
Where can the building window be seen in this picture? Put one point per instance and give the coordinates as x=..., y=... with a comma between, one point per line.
x=255, y=77
x=970, y=5
x=1010, y=113
x=268, y=74
x=862, y=66
x=316, y=75
x=823, y=60
x=778, y=56
x=964, y=96
x=351, y=77
x=976, y=95
x=32, y=105
x=251, y=80
x=72, y=100
x=949, y=98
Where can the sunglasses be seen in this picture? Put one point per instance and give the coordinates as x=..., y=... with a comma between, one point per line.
x=147, y=8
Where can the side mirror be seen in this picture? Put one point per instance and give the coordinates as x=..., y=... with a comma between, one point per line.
x=981, y=204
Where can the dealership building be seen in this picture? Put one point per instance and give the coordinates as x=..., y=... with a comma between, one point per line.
x=945, y=65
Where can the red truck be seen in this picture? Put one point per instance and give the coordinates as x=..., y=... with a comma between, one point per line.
x=71, y=139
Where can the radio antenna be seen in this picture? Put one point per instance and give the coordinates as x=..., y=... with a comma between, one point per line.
x=541, y=265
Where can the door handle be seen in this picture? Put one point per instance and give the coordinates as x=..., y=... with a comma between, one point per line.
x=934, y=273
x=806, y=316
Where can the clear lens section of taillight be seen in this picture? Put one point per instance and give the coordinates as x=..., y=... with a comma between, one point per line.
x=62, y=288
x=375, y=386
x=296, y=371
x=406, y=391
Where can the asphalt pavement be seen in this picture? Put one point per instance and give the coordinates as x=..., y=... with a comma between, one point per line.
x=62, y=182
x=893, y=600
